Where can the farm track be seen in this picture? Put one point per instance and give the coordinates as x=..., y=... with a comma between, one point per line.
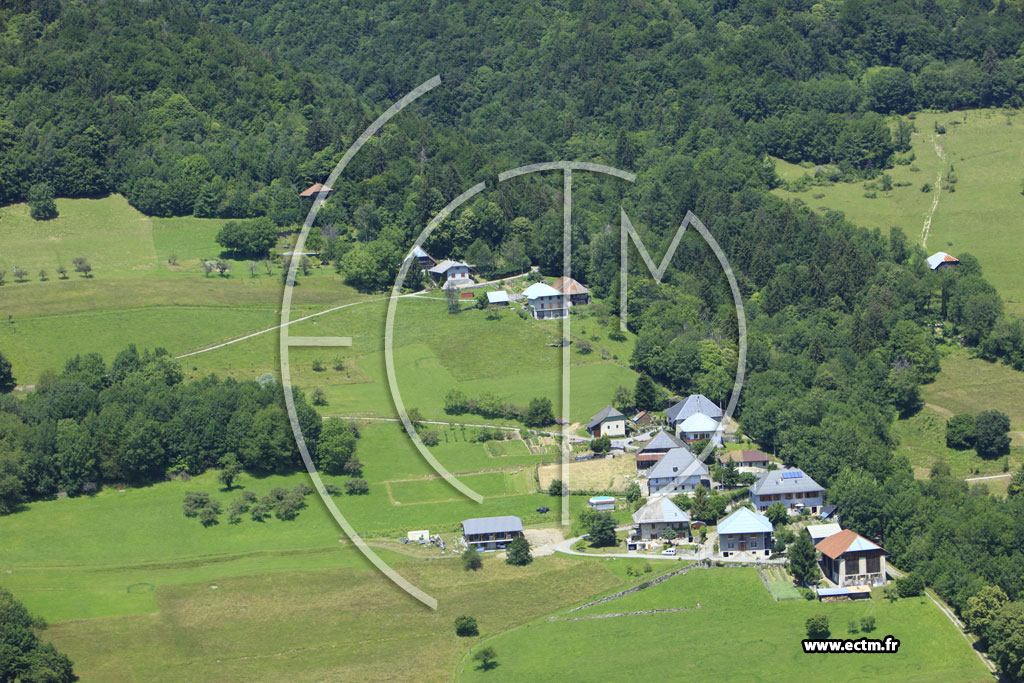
x=935, y=198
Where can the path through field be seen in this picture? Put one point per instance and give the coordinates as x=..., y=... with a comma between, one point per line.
x=935, y=198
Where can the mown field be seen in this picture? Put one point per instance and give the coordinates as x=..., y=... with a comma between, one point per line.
x=985, y=149
x=738, y=633
x=134, y=295
x=965, y=385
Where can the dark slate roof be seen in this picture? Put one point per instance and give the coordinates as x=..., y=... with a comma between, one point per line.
x=604, y=414
x=691, y=405
x=491, y=525
x=777, y=481
x=662, y=441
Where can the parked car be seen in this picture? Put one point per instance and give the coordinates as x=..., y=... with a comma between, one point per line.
x=543, y=510
x=668, y=551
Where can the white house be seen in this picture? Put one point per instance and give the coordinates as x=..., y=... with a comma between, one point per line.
x=691, y=405
x=941, y=259
x=451, y=272
x=607, y=422
x=696, y=427
x=744, y=531
x=545, y=301
x=659, y=514
x=791, y=487
x=677, y=472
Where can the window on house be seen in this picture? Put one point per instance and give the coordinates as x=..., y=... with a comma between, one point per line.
x=789, y=496
x=852, y=566
x=874, y=565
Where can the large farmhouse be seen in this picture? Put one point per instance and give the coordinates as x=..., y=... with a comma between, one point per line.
x=744, y=531
x=659, y=514
x=545, y=301
x=791, y=487
x=690, y=406
x=655, y=449
x=491, y=533
x=677, y=472
x=849, y=559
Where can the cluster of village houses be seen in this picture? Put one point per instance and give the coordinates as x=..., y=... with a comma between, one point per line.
x=850, y=562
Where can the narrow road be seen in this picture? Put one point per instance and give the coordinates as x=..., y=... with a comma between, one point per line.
x=993, y=476
x=565, y=547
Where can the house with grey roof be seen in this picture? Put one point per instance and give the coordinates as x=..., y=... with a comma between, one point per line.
x=499, y=298
x=658, y=514
x=691, y=405
x=545, y=302
x=698, y=426
x=655, y=449
x=789, y=486
x=449, y=272
x=607, y=422
x=744, y=531
x=422, y=258
x=678, y=471
x=491, y=533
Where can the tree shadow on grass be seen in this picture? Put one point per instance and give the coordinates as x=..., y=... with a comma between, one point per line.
x=488, y=665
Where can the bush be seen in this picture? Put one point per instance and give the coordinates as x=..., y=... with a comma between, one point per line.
x=910, y=586
x=518, y=552
x=332, y=489
x=867, y=624
x=41, y=206
x=208, y=516
x=817, y=627
x=853, y=626
x=471, y=560
x=960, y=431
x=602, y=530
x=807, y=593
x=356, y=487
x=259, y=512
x=195, y=502
x=430, y=438
x=466, y=626
x=555, y=488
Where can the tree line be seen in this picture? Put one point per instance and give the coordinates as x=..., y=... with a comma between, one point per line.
x=137, y=421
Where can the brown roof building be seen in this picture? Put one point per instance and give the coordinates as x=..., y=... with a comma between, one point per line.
x=849, y=559
x=313, y=190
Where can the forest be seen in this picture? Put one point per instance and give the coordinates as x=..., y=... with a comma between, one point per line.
x=229, y=109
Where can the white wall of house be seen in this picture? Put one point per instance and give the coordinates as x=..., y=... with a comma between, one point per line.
x=543, y=307
x=457, y=273
x=651, y=530
x=615, y=427
x=673, y=484
x=758, y=543
x=812, y=501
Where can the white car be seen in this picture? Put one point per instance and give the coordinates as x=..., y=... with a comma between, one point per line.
x=668, y=551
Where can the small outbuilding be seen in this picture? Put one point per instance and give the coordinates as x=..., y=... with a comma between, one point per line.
x=941, y=259
x=849, y=559
x=499, y=298
x=602, y=503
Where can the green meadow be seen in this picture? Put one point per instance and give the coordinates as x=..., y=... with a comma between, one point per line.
x=985, y=150
x=731, y=630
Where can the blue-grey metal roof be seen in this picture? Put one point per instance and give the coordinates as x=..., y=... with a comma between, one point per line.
x=677, y=462
x=691, y=405
x=497, y=297
x=491, y=525
x=784, y=481
x=744, y=521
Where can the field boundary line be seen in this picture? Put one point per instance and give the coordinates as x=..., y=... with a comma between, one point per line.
x=626, y=614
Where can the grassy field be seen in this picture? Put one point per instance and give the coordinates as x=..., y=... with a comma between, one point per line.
x=736, y=616
x=965, y=385
x=135, y=295
x=985, y=149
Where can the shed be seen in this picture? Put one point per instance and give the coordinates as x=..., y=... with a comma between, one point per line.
x=314, y=189
x=497, y=298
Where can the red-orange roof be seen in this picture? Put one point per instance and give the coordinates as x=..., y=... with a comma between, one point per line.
x=313, y=190
x=835, y=545
x=567, y=285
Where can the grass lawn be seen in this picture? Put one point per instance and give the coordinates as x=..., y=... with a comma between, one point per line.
x=736, y=615
x=986, y=149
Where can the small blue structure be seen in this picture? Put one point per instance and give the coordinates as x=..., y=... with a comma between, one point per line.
x=602, y=503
